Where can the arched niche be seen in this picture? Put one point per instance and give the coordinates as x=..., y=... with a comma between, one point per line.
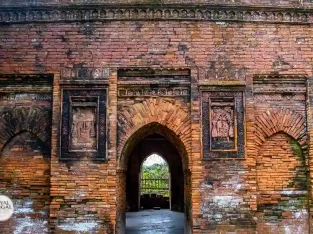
x=25, y=178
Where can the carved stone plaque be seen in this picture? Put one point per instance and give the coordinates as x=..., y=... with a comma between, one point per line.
x=223, y=124
x=84, y=118
x=83, y=124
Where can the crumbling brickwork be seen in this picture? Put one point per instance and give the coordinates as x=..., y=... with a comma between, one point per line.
x=25, y=152
x=282, y=184
x=25, y=177
x=242, y=74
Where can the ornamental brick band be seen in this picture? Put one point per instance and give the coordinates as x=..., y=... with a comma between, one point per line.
x=143, y=12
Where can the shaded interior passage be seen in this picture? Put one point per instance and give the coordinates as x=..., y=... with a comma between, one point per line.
x=155, y=144
x=154, y=184
x=155, y=222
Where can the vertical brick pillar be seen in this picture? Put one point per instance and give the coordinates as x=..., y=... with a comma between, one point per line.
x=251, y=151
x=195, y=161
x=310, y=151
x=112, y=154
x=54, y=190
x=112, y=134
x=121, y=201
x=112, y=115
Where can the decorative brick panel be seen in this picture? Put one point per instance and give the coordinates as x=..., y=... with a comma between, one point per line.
x=223, y=125
x=84, y=124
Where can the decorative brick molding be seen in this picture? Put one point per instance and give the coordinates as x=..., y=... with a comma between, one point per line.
x=155, y=12
x=18, y=119
x=280, y=120
x=148, y=82
x=85, y=73
x=26, y=83
x=277, y=84
x=153, y=110
x=160, y=91
x=222, y=71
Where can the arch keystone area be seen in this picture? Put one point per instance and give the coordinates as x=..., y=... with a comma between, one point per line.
x=150, y=113
x=18, y=119
x=280, y=120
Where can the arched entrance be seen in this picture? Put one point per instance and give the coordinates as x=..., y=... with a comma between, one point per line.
x=153, y=138
x=157, y=144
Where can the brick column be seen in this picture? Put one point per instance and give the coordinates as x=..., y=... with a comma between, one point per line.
x=250, y=157
x=121, y=201
x=310, y=151
x=250, y=178
x=54, y=190
x=195, y=162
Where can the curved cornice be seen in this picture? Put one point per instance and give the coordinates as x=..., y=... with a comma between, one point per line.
x=218, y=13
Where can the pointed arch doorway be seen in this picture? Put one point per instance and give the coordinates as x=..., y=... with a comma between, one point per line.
x=135, y=217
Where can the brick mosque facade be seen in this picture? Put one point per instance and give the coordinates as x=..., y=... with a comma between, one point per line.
x=86, y=85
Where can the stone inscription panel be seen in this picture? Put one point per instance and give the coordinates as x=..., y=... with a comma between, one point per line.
x=83, y=124
x=223, y=124
x=84, y=118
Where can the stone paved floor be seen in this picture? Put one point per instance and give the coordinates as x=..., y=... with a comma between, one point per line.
x=154, y=222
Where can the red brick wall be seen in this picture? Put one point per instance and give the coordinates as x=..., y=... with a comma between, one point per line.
x=25, y=178
x=282, y=184
x=260, y=48
x=277, y=162
x=84, y=187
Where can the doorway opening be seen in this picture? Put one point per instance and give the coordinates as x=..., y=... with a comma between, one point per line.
x=154, y=144
x=158, y=201
x=154, y=183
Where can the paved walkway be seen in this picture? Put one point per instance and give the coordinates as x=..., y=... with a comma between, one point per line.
x=154, y=222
